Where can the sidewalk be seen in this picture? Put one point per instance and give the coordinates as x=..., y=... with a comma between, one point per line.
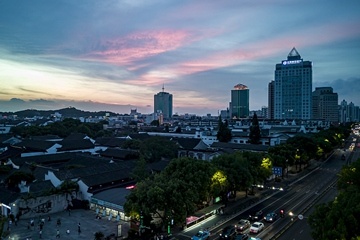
x=89, y=225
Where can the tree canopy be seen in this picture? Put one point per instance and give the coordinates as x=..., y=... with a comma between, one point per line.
x=255, y=133
x=340, y=219
x=224, y=133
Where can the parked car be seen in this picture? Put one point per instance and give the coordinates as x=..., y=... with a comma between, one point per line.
x=271, y=217
x=242, y=225
x=257, y=227
x=228, y=232
x=242, y=236
x=201, y=235
x=257, y=215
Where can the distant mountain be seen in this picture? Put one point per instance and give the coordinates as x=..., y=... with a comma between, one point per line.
x=65, y=112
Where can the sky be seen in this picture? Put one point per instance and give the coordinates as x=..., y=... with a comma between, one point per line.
x=115, y=55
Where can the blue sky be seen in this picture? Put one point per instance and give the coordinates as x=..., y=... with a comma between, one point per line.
x=115, y=55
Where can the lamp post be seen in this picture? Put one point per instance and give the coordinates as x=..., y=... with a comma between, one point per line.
x=287, y=168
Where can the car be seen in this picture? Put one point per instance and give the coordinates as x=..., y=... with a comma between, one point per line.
x=228, y=232
x=257, y=215
x=257, y=227
x=242, y=225
x=201, y=235
x=242, y=236
x=271, y=217
x=254, y=238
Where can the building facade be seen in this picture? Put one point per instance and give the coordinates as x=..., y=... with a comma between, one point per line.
x=239, y=104
x=293, y=88
x=271, y=97
x=325, y=104
x=163, y=103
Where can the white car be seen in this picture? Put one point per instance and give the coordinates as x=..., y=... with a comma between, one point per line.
x=257, y=227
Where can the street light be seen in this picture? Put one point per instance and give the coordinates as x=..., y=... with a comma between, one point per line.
x=287, y=168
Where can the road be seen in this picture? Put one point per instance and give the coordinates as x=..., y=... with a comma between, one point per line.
x=296, y=197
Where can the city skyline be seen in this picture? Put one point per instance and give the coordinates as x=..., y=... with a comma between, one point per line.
x=115, y=55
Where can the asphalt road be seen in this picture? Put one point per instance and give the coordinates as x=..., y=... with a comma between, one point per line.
x=295, y=198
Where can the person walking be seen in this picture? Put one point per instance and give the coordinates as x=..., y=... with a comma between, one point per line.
x=40, y=234
x=57, y=233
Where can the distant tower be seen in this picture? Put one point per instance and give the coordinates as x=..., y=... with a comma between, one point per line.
x=239, y=104
x=293, y=88
x=163, y=102
x=325, y=104
x=271, y=97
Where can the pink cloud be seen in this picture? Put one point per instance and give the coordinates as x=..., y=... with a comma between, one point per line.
x=141, y=45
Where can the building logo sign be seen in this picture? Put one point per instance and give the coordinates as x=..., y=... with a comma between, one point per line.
x=291, y=62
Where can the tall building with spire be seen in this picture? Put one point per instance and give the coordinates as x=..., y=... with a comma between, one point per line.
x=293, y=88
x=163, y=103
x=239, y=105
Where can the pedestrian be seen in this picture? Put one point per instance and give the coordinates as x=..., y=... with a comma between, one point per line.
x=68, y=232
x=79, y=228
x=49, y=218
x=40, y=234
x=57, y=233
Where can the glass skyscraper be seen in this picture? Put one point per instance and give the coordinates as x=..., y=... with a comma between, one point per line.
x=293, y=88
x=163, y=102
x=240, y=101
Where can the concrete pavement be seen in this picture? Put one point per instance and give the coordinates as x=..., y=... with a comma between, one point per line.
x=89, y=225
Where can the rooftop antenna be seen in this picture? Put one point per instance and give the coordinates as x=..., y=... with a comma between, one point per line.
x=163, y=88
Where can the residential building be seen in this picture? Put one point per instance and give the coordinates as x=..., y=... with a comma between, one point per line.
x=163, y=102
x=325, y=104
x=293, y=88
x=239, y=105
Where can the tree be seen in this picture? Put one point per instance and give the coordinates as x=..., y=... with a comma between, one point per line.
x=155, y=123
x=340, y=219
x=140, y=171
x=156, y=148
x=174, y=193
x=255, y=134
x=224, y=133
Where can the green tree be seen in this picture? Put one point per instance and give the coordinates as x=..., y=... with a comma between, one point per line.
x=340, y=219
x=255, y=134
x=155, y=148
x=224, y=133
x=155, y=123
x=140, y=172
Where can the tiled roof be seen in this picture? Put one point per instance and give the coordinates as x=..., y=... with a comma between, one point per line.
x=46, y=160
x=47, y=138
x=7, y=196
x=110, y=141
x=159, y=165
x=114, y=195
x=94, y=166
x=117, y=153
x=189, y=143
x=140, y=136
x=236, y=146
x=76, y=136
x=36, y=145
x=40, y=186
x=11, y=152
x=67, y=145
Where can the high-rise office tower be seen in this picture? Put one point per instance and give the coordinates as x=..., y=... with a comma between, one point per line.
x=163, y=102
x=239, y=104
x=293, y=88
x=271, y=97
x=325, y=104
